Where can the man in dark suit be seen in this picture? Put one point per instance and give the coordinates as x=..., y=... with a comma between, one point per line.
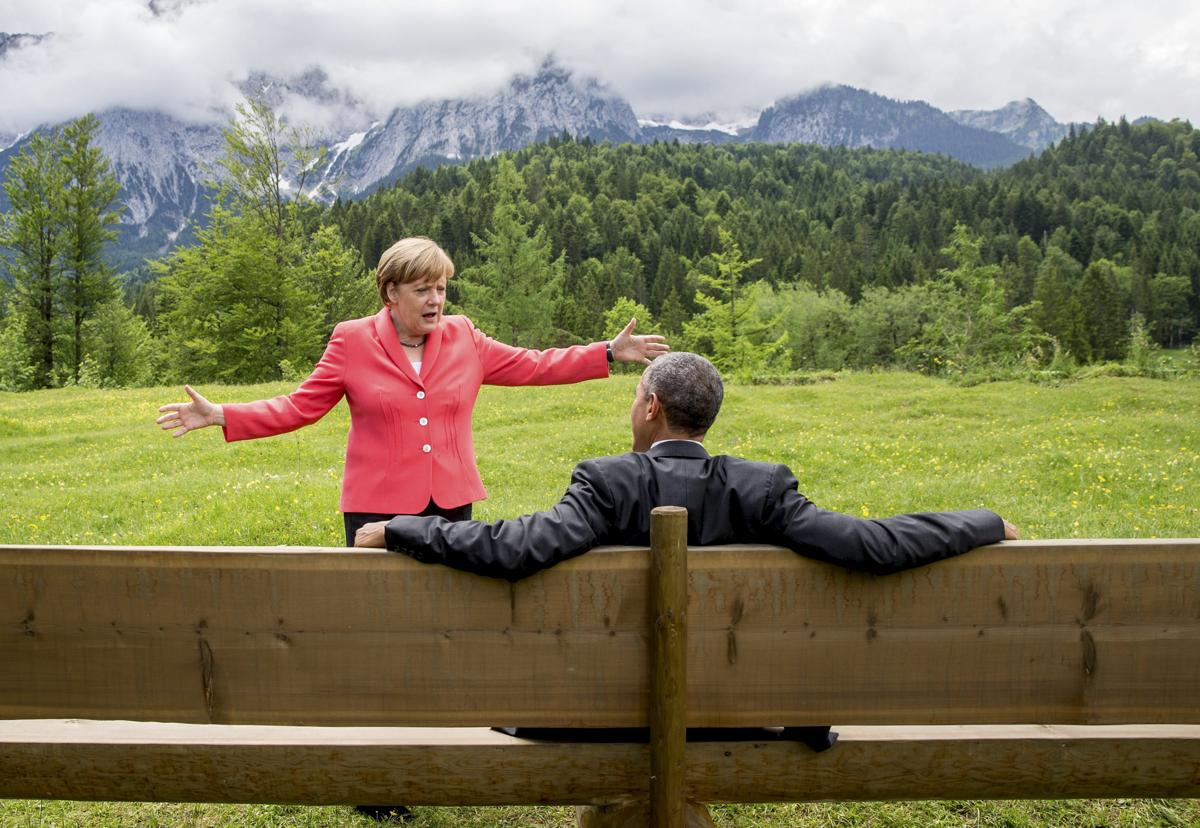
x=729, y=500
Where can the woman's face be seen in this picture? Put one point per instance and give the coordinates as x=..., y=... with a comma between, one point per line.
x=416, y=307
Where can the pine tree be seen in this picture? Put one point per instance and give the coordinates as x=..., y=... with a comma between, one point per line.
x=33, y=232
x=87, y=218
x=1104, y=311
x=513, y=292
x=969, y=325
x=1052, y=309
x=726, y=329
x=237, y=305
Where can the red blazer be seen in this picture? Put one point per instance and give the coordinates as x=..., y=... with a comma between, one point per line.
x=410, y=436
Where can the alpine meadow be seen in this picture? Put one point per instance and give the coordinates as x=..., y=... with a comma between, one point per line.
x=1099, y=457
x=905, y=331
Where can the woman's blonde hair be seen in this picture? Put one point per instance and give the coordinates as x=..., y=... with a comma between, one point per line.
x=417, y=259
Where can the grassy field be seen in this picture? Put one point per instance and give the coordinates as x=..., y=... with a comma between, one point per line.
x=1106, y=457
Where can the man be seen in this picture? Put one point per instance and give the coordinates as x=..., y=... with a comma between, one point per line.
x=729, y=500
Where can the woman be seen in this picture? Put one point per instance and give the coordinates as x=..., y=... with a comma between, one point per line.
x=410, y=377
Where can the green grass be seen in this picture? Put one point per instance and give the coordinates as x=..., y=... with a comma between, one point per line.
x=1106, y=457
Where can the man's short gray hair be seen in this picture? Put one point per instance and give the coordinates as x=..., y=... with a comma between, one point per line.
x=688, y=387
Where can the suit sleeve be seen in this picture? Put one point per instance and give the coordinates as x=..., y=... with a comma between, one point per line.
x=321, y=391
x=512, y=549
x=879, y=546
x=506, y=365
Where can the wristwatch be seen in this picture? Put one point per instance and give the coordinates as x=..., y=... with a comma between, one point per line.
x=608, y=353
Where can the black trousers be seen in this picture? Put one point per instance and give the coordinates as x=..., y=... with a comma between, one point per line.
x=353, y=522
x=356, y=520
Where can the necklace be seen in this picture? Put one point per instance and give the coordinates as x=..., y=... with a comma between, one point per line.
x=412, y=344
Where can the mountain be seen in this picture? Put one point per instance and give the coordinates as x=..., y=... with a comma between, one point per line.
x=1023, y=122
x=163, y=162
x=845, y=116
x=530, y=109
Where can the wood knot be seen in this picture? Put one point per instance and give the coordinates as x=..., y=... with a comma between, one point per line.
x=1089, y=653
x=739, y=609
x=206, y=677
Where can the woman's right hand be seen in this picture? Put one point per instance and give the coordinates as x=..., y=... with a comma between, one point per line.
x=189, y=416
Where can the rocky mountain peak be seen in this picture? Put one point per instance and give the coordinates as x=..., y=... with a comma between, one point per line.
x=845, y=116
x=1023, y=121
x=531, y=108
x=163, y=162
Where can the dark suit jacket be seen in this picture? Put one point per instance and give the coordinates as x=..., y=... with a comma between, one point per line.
x=729, y=500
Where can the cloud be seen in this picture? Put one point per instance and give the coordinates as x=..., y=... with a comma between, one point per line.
x=1078, y=59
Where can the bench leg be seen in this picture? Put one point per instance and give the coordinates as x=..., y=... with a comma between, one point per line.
x=636, y=815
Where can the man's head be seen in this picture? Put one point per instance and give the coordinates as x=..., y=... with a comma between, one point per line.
x=678, y=397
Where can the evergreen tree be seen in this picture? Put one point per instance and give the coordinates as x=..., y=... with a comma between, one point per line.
x=817, y=324
x=120, y=350
x=673, y=316
x=512, y=293
x=727, y=330
x=1053, y=310
x=16, y=368
x=969, y=325
x=883, y=321
x=33, y=232
x=1168, y=315
x=1103, y=309
x=237, y=305
x=332, y=274
x=87, y=220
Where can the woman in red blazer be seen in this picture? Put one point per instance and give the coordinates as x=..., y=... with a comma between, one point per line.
x=410, y=377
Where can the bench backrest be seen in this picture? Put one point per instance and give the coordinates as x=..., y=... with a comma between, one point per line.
x=1054, y=632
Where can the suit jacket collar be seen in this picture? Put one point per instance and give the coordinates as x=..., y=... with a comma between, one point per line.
x=386, y=332
x=678, y=448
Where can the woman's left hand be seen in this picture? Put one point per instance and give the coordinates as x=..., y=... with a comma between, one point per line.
x=629, y=348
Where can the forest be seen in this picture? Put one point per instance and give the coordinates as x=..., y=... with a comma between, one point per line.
x=776, y=261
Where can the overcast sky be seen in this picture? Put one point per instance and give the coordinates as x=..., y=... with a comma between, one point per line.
x=1078, y=58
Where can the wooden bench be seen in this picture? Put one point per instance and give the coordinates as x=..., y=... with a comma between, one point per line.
x=1035, y=669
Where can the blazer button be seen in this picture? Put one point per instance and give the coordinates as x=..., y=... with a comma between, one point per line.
x=427, y=448
x=420, y=395
x=423, y=421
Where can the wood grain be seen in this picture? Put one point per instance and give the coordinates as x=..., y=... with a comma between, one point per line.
x=1055, y=632
x=669, y=675
x=142, y=761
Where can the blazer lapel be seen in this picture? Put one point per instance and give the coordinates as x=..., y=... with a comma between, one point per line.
x=433, y=345
x=386, y=332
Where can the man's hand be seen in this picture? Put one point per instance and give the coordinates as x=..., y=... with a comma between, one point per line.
x=629, y=348
x=1010, y=532
x=371, y=534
